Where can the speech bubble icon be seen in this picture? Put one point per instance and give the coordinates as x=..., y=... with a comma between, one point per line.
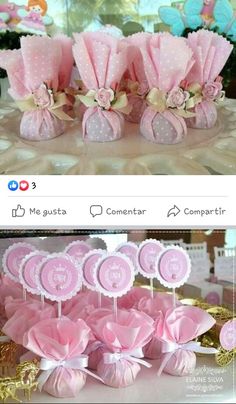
x=96, y=210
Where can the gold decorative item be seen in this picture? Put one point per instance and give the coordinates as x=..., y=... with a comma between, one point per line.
x=8, y=354
x=25, y=379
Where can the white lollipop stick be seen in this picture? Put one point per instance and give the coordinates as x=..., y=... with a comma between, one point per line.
x=115, y=308
x=24, y=294
x=151, y=288
x=59, y=309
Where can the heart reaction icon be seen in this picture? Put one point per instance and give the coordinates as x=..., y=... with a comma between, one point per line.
x=24, y=185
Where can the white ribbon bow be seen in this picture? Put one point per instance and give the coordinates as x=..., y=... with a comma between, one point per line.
x=132, y=356
x=170, y=348
x=4, y=339
x=48, y=366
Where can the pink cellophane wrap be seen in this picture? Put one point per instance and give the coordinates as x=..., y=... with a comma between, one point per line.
x=84, y=304
x=210, y=52
x=101, y=60
x=25, y=317
x=181, y=325
x=131, y=330
x=132, y=298
x=136, y=74
x=167, y=60
x=60, y=339
x=40, y=60
x=8, y=288
x=156, y=308
x=96, y=348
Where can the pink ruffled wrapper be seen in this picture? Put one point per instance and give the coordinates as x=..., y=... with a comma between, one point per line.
x=180, y=326
x=132, y=298
x=210, y=52
x=59, y=340
x=156, y=308
x=123, y=336
x=8, y=288
x=167, y=60
x=25, y=317
x=40, y=60
x=136, y=74
x=101, y=60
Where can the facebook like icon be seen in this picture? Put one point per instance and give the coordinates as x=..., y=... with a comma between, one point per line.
x=13, y=185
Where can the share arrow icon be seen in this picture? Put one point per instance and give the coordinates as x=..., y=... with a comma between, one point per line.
x=173, y=211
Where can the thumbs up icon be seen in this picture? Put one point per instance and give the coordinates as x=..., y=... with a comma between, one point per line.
x=18, y=212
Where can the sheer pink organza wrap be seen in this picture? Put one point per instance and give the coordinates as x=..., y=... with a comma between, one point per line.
x=39, y=60
x=210, y=52
x=22, y=315
x=167, y=60
x=101, y=60
x=156, y=308
x=177, y=327
x=8, y=288
x=124, y=338
x=60, y=340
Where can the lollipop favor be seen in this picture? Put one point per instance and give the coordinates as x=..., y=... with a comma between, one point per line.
x=78, y=249
x=27, y=271
x=129, y=249
x=12, y=259
x=88, y=265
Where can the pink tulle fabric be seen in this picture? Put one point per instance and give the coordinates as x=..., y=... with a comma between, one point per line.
x=126, y=333
x=26, y=316
x=165, y=68
x=210, y=52
x=101, y=60
x=136, y=74
x=132, y=298
x=85, y=304
x=156, y=308
x=40, y=60
x=181, y=325
x=8, y=288
x=60, y=339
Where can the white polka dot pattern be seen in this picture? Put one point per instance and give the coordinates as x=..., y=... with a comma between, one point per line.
x=163, y=128
x=210, y=52
x=206, y=116
x=102, y=126
x=40, y=125
x=167, y=59
x=100, y=60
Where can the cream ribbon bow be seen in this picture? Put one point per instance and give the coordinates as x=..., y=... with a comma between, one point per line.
x=170, y=348
x=132, y=356
x=48, y=366
x=121, y=103
x=156, y=99
x=60, y=100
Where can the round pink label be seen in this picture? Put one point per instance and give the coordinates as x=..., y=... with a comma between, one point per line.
x=173, y=267
x=228, y=335
x=213, y=298
x=77, y=250
x=28, y=270
x=88, y=267
x=114, y=275
x=131, y=251
x=58, y=278
x=13, y=257
x=149, y=250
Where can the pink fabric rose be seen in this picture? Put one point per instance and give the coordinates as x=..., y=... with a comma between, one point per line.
x=43, y=97
x=212, y=90
x=177, y=98
x=104, y=97
x=143, y=89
